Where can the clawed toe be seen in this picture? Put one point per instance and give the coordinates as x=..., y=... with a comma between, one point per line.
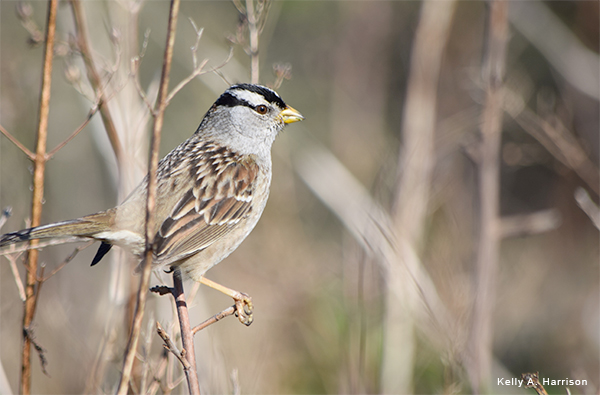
x=243, y=302
x=244, y=308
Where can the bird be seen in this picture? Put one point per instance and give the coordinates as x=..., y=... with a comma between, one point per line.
x=211, y=192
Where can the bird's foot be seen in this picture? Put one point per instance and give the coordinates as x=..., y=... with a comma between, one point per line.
x=244, y=308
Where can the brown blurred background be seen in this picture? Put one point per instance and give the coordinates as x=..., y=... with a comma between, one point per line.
x=327, y=318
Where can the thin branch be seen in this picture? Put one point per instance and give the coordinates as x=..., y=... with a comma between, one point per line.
x=217, y=317
x=138, y=87
x=198, y=71
x=16, y=142
x=187, y=337
x=87, y=120
x=135, y=67
x=94, y=78
x=171, y=347
x=158, y=373
x=38, y=194
x=17, y=277
x=77, y=250
x=253, y=39
x=187, y=333
x=479, y=361
x=196, y=44
x=253, y=16
x=283, y=71
x=151, y=205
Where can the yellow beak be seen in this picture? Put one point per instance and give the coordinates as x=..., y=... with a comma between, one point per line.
x=289, y=115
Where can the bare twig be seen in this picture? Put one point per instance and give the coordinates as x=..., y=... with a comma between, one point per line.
x=38, y=194
x=151, y=203
x=66, y=141
x=171, y=347
x=18, y=281
x=217, y=317
x=283, y=71
x=135, y=67
x=253, y=18
x=94, y=78
x=196, y=44
x=158, y=373
x=199, y=70
x=479, y=361
x=253, y=36
x=187, y=355
x=68, y=259
x=16, y=142
x=140, y=90
x=187, y=337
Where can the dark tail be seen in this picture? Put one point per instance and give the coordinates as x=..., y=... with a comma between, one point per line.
x=82, y=227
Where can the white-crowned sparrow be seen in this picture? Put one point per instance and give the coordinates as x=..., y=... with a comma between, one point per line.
x=211, y=191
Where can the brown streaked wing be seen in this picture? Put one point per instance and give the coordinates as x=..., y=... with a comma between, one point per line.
x=209, y=210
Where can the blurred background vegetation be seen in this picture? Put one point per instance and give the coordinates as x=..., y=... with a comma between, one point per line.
x=324, y=318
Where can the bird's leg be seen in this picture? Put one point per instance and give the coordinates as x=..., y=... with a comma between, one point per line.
x=243, y=302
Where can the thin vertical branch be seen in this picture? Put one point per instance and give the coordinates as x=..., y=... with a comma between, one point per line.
x=253, y=17
x=38, y=196
x=187, y=336
x=151, y=202
x=253, y=38
x=94, y=77
x=480, y=347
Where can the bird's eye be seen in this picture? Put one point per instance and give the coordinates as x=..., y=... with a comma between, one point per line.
x=262, y=109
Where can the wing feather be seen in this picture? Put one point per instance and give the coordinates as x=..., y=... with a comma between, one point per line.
x=218, y=199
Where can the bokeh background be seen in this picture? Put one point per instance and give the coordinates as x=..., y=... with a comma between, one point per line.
x=327, y=316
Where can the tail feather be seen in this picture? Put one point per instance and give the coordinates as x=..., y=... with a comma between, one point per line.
x=82, y=227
